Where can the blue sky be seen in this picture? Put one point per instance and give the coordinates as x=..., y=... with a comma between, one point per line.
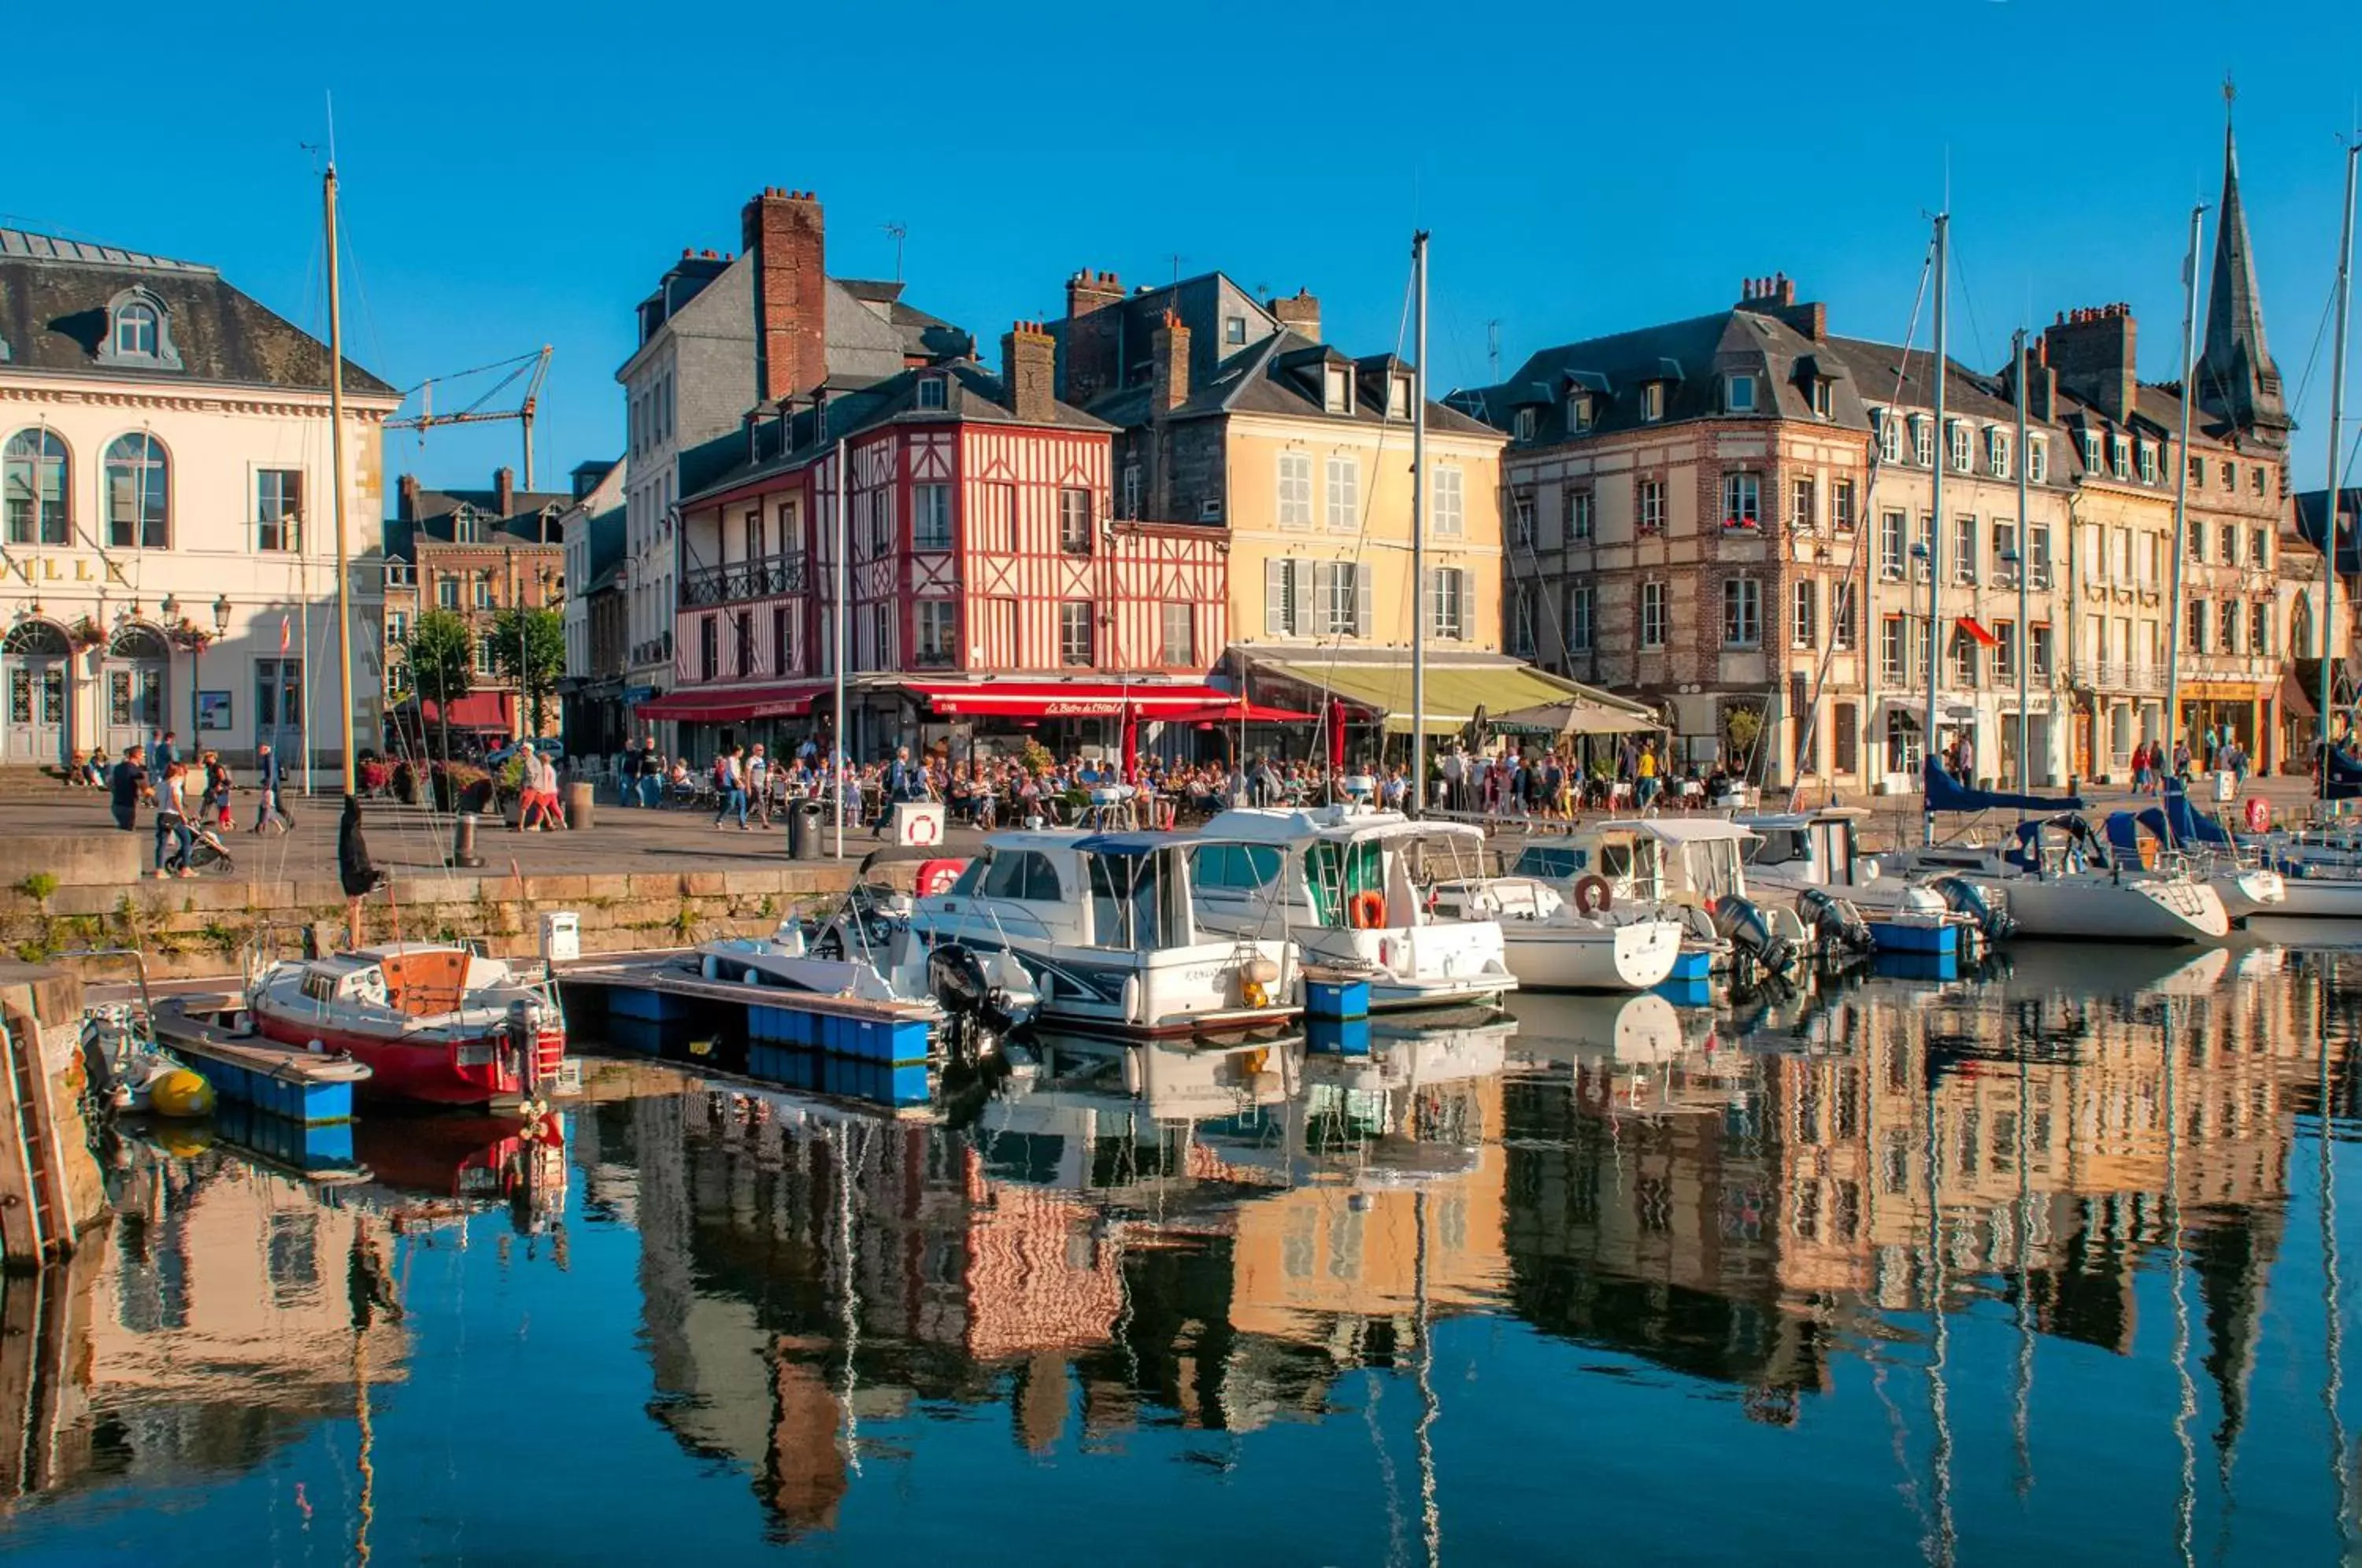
x=517, y=176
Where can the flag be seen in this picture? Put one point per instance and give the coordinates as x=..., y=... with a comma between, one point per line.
x=283, y=634
x=1975, y=628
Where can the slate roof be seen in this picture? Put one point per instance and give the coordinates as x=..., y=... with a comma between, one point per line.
x=54, y=295
x=924, y=336
x=972, y=394
x=1281, y=375
x=438, y=510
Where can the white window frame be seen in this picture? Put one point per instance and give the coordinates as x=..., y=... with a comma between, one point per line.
x=2119, y=457
x=931, y=517
x=1890, y=435
x=1962, y=447
x=1739, y=393
x=1893, y=544
x=1923, y=440
x=1521, y=516
x=1803, y=614
x=1843, y=630
x=1446, y=603
x=1652, y=401
x=2037, y=460
x=1742, y=499
x=1997, y=452
x=1521, y=424
x=1582, y=616
x=1653, y=598
x=1651, y=510
x=1742, y=612
x=1578, y=413
x=2148, y=462
x=932, y=394
x=1581, y=504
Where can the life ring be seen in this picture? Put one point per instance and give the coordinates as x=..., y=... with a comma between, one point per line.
x=1366, y=910
x=1592, y=895
x=2259, y=814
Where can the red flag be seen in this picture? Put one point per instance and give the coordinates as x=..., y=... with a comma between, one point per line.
x=1974, y=628
x=283, y=634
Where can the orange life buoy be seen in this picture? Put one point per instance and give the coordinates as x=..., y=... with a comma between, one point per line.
x=2259, y=814
x=1366, y=910
x=1592, y=895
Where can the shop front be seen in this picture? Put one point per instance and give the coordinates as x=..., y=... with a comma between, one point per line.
x=708, y=721
x=1172, y=722
x=2216, y=712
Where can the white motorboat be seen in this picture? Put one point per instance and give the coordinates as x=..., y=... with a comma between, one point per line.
x=865, y=950
x=1109, y=928
x=1354, y=887
x=1550, y=945
x=1688, y=869
x=2060, y=883
x=1811, y=858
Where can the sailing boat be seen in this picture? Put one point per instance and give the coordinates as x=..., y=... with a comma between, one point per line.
x=2055, y=877
x=433, y=1022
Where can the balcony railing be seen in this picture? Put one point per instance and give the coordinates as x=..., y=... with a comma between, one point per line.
x=656, y=650
x=2118, y=674
x=741, y=581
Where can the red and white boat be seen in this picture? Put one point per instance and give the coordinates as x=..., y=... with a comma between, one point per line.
x=433, y=1022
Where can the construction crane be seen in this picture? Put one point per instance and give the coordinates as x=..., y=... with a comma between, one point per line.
x=427, y=419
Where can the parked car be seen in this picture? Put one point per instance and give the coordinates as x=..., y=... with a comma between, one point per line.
x=550, y=746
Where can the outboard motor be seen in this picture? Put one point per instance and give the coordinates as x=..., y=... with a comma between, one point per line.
x=524, y=1030
x=1740, y=923
x=955, y=976
x=1964, y=897
x=1834, y=921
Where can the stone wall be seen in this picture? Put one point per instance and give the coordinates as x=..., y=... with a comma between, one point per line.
x=207, y=928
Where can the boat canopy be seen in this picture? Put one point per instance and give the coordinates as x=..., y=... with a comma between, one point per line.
x=2188, y=826
x=2024, y=850
x=1129, y=845
x=1945, y=793
x=1684, y=829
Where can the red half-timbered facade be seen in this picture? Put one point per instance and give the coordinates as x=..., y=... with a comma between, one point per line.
x=981, y=555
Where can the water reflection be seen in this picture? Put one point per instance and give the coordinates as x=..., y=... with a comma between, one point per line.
x=1965, y=1251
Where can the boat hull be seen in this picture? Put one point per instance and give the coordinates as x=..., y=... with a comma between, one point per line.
x=2096, y=908
x=444, y=1069
x=1568, y=957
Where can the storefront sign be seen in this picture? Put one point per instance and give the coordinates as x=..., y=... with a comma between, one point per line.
x=77, y=569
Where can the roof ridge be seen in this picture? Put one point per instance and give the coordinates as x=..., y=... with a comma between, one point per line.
x=29, y=245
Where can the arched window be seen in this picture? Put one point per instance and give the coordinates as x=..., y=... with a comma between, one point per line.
x=135, y=331
x=138, y=494
x=38, y=639
x=34, y=482
x=136, y=640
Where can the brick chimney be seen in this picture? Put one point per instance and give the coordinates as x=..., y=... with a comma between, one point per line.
x=1093, y=363
x=1029, y=371
x=405, y=506
x=2092, y=352
x=1301, y=314
x=1168, y=366
x=1775, y=296
x=784, y=237
x=2041, y=382
x=504, y=491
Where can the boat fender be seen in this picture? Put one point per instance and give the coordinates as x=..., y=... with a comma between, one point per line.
x=1260, y=969
x=1366, y=910
x=1592, y=895
x=751, y=975
x=712, y=967
x=1131, y=999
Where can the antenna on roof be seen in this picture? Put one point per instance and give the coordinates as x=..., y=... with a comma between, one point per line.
x=898, y=231
x=1176, y=269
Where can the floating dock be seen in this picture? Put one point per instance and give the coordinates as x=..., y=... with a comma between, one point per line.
x=287, y=1083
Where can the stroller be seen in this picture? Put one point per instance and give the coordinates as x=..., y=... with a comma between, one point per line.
x=208, y=855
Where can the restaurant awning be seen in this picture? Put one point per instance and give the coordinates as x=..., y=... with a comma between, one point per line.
x=1575, y=717
x=476, y=711
x=1454, y=691
x=1071, y=698
x=1233, y=713
x=732, y=705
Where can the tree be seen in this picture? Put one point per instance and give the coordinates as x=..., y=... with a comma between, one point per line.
x=532, y=654
x=439, y=661
x=1743, y=728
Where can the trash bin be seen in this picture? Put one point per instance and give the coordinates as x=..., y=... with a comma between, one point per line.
x=804, y=831
x=579, y=801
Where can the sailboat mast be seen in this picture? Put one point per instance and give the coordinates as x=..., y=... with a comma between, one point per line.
x=2336, y=428
x=840, y=764
x=337, y=489
x=1419, y=591
x=2024, y=629
x=1943, y=455
x=2182, y=485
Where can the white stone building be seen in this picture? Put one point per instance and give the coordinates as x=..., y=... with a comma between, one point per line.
x=167, y=544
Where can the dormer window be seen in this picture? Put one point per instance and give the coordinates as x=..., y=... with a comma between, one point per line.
x=1823, y=395
x=1337, y=390
x=1738, y=394
x=1923, y=441
x=2037, y=460
x=2119, y=457
x=2092, y=451
x=931, y=392
x=2148, y=462
x=1578, y=413
x=139, y=333
x=1958, y=438
x=1997, y=451
x=1398, y=397
x=1234, y=330
x=1890, y=435
x=465, y=529
x=1523, y=425
x=1652, y=401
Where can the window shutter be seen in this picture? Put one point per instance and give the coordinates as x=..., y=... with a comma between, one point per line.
x=1361, y=601
x=1274, y=599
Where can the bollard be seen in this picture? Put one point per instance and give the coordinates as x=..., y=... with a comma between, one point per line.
x=463, y=843
x=577, y=805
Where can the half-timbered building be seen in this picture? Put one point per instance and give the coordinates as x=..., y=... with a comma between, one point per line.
x=990, y=591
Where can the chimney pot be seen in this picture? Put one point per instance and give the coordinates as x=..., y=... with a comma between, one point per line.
x=784, y=235
x=505, y=489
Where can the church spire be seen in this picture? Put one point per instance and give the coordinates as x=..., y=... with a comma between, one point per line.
x=2237, y=382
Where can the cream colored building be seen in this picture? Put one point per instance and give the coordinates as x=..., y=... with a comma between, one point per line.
x=167, y=550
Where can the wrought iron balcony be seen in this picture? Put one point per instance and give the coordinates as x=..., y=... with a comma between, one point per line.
x=2118, y=674
x=741, y=581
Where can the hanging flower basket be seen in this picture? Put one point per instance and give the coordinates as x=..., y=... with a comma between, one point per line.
x=86, y=634
x=187, y=634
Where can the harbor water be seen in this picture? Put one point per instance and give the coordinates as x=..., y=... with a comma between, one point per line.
x=2060, y=1260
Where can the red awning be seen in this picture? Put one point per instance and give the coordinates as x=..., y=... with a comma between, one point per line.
x=1976, y=629
x=1232, y=712
x=476, y=711
x=726, y=705
x=1072, y=699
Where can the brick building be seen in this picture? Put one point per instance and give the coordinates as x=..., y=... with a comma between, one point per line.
x=474, y=552
x=590, y=693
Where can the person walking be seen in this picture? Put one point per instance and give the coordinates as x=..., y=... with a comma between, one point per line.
x=729, y=785
x=758, y=786
x=127, y=786
x=172, y=824
x=167, y=753
x=1644, y=786
x=267, y=777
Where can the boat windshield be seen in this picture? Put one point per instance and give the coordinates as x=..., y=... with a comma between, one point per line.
x=1557, y=862
x=1138, y=901
x=1711, y=866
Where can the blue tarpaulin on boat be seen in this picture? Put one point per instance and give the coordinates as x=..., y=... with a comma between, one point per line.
x=1945, y=793
x=2185, y=825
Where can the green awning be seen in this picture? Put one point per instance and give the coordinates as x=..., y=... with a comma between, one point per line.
x=1454, y=691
